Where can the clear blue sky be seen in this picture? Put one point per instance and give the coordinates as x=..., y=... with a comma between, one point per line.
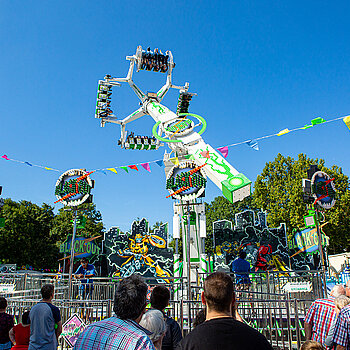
x=257, y=66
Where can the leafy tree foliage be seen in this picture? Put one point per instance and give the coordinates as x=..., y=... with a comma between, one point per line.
x=278, y=189
x=32, y=234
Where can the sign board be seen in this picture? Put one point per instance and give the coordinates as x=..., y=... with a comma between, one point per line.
x=8, y=268
x=7, y=287
x=72, y=328
x=83, y=247
x=296, y=287
x=307, y=240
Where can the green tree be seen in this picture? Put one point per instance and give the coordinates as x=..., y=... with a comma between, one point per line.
x=278, y=189
x=26, y=237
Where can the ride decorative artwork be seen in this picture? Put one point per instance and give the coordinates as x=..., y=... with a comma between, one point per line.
x=266, y=247
x=139, y=252
x=74, y=187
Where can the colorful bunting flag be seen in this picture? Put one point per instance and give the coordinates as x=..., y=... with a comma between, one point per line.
x=125, y=168
x=253, y=144
x=175, y=161
x=5, y=157
x=134, y=167
x=306, y=126
x=28, y=163
x=48, y=168
x=146, y=166
x=347, y=121
x=317, y=120
x=283, y=132
x=113, y=170
x=101, y=171
x=223, y=151
x=160, y=163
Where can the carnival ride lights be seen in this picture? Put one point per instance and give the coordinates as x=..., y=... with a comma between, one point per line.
x=177, y=130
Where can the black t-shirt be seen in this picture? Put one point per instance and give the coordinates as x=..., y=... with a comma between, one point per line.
x=224, y=334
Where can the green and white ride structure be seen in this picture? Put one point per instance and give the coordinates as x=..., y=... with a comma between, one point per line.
x=190, y=160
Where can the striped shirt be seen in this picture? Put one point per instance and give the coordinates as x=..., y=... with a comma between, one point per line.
x=342, y=328
x=321, y=315
x=114, y=334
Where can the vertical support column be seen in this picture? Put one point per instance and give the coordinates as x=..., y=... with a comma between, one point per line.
x=72, y=253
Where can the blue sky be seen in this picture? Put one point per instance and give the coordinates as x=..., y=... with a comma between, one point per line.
x=257, y=66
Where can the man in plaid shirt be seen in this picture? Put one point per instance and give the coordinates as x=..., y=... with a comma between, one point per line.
x=320, y=316
x=122, y=331
x=342, y=327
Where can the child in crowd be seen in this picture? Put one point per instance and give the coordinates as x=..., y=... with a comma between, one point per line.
x=20, y=333
x=312, y=345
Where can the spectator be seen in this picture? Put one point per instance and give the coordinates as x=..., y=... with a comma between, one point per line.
x=311, y=345
x=342, y=329
x=241, y=268
x=160, y=300
x=321, y=315
x=121, y=331
x=20, y=333
x=200, y=317
x=154, y=321
x=221, y=330
x=347, y=288
x=339, y=303
x=6, y=323
x=45, y=322
x=84, y=272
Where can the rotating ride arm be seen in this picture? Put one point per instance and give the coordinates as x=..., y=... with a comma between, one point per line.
x=178, y=129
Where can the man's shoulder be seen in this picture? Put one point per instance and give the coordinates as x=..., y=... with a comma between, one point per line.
x=345, y=311
x=324, y=302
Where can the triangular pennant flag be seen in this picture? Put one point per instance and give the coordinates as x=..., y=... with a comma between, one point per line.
x=101, y=171
x=28, y=163
x=146, y=166
x=317, y=120
x=125, y=168
x=306, y=127
x=253, y=144
x=5, y=157
x=112, y=170
x=48, y=168
x=175, y=161
x=346, y=120
x=160, y=163
x=133, y=167
x=223, y=151
x=205, y=154
x=283, y=132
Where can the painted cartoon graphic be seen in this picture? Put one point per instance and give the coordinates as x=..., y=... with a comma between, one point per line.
x=139, y=252
x=266, y=247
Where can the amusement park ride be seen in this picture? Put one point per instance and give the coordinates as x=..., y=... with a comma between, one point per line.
x=195, y=160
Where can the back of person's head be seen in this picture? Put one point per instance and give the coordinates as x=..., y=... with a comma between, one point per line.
x=341, y=301
x=130, y=298
x=160, y=297
x=338, y=290
x=47, y=291
x=242, y=254
x=3, y=303
x=200, y=317
x=311, y=345
x=153, y=321
x=218, y=291
x=84, y=261
x=25, y=317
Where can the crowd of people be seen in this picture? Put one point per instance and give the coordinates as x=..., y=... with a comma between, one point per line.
x=217, y=326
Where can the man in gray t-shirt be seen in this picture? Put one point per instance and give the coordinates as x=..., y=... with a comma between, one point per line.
x=45, y=322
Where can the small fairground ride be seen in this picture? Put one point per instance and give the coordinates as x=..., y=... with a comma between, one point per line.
x=190, y=160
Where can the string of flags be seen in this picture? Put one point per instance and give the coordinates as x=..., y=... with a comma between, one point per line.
x=252, y=143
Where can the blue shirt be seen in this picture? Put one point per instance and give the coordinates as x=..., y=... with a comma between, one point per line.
x=114, y=334
x=43, y=317
x=90, y=270
x=241, y=265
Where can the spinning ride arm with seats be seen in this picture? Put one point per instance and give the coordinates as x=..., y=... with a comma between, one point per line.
x=177, y=130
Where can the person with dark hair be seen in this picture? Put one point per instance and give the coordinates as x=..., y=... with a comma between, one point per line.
x=241, y=268
x=200, y=317
x=20, y=333
x=6, y=323
x=45, y=322
x=84, y=272
x=221, y=330
x=121, y=331
x=160, y=300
